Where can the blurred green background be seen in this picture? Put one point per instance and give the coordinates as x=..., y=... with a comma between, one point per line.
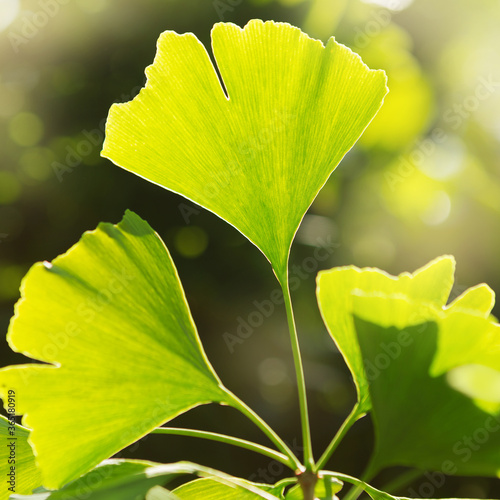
x=423, y=181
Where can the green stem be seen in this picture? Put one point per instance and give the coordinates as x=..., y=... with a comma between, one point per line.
x=267, y=430
x=343, y=477
x=349, y=421
x=403, y=480
x=359, y=487
x=242, y=443
x=285, y=482
x=299, y=372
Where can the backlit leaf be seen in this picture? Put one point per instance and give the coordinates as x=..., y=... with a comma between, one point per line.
x=420, y=364
x=258, y=156
x=138, y=479
x=209, y=489
x=431, y=284
x=111, y=320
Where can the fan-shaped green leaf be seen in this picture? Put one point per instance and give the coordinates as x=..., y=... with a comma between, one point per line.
x=138, y=479
x=111, y=320
x=209, y=489
x=374, y=493
x=112, y=480
x=17, y=463
x=410, y=347
x=411, y=364
x=257, y=157
x=431, y=284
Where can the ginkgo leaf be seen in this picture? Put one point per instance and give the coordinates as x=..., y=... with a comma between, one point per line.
x=444, y=429
x=137, y=479
x=123, y=356
x=17, y=462
x=209, y=489
x=431, y=284
x=406, y=345
x=258, y=156
x=375, y=493
x=110, y=480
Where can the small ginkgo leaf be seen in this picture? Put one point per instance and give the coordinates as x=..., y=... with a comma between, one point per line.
x=112, y=480
x=137, y=479
x=258, y=156
x=209, y=489
x=111, y=320
x=376, y=494
x=409, y=348
x=17, y=462
x=431, y=284
x=404, y=346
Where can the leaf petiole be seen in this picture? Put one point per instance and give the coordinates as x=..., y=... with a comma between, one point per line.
x=222, y=438
x=353, y=417
x=299, y=372
x=294, y=462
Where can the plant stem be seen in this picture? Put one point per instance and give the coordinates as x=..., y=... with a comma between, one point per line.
x=299, y=372
x=242, y=443
x=282, y=483
x=267, y=430
x=356, y=490
x=349, y=421
x=359, y=485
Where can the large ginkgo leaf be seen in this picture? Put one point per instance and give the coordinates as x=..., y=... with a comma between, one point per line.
x=258, y=156
x=111, y=320
x=408, y=347
x=17, y=463
x=431, y=284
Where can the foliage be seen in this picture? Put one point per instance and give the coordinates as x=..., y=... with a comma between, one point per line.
x=109, y=319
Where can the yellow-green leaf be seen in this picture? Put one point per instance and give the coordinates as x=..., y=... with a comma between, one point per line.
x=258, y=156
x=431, y=284
x=110, y=320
